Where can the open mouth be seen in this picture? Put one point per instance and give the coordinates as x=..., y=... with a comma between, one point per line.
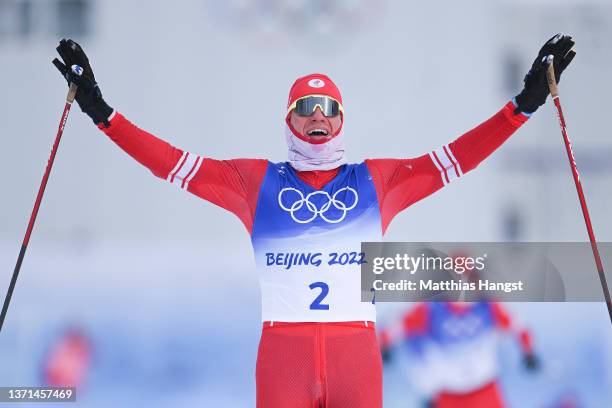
x=318, y=132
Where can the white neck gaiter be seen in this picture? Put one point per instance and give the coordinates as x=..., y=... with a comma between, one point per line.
x=304, y=156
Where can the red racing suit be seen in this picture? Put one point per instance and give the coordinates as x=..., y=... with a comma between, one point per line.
x=314, y=357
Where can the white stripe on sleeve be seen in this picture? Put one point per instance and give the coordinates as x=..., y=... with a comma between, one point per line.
x=446, y=163
x=192, y=173
x=454, y=160
x=185, y=170
x=442, y=171
x=176, y=168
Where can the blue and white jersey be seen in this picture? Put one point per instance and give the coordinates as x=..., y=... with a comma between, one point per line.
x=465, y=345
x=452, y=328
x=307, y=244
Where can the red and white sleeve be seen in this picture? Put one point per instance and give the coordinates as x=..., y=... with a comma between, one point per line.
x=413, y=323
x=400, y=183
x=504, y=322
x=230, y=184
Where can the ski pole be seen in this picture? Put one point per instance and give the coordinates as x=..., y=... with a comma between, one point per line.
x=554, y=92
x=41, y=190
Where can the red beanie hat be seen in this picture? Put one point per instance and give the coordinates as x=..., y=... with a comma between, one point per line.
x=313, y=84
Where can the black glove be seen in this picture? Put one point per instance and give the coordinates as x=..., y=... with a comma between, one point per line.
x=536, y=85
x=532, y=363
x=385, y=353
x=88, y=94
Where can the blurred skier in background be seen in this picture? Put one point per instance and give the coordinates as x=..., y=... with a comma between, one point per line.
x=455, y=345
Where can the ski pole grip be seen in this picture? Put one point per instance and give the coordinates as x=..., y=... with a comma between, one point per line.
x=71, y=93
x=550, y=76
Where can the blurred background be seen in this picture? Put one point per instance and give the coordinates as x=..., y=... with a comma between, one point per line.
x=144, y=295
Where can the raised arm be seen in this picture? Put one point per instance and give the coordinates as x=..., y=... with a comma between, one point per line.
x=414, y=323
x=402, y=182
x=230, y=184
x=504, y=322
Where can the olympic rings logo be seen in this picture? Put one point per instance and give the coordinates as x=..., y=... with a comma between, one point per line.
x=312, y=208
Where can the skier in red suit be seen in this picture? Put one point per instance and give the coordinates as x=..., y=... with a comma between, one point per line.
x=307, y=217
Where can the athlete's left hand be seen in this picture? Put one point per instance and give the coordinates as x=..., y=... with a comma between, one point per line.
x=385, y=353
x=532, y=363
x=536, y=89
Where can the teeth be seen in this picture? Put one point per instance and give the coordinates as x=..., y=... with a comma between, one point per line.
x=317, y=132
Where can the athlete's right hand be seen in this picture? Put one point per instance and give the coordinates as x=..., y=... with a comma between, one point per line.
x=88, y=96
